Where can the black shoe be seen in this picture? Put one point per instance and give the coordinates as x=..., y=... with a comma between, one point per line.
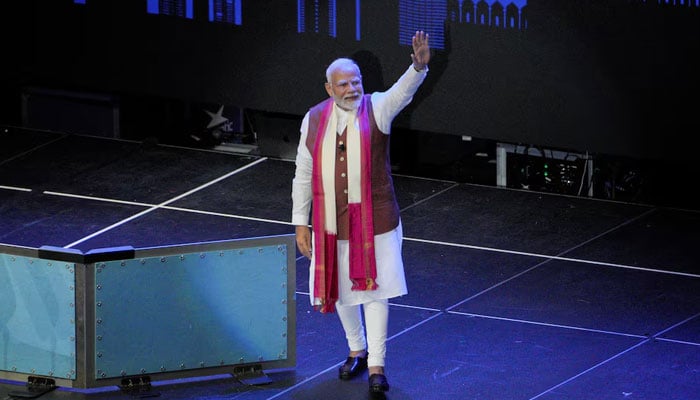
x=378, y=383
x=353, y=366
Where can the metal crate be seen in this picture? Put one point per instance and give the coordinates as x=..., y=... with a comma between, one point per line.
x=116, y=315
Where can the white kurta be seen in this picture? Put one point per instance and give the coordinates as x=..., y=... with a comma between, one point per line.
x=391, y=279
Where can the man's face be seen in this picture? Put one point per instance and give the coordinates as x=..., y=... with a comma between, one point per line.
x=346, y=87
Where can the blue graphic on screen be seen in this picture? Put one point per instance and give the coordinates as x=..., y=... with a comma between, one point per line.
x=681, y=3
x=228, y=11
x=432, y=16
x=176, y=8
x=320, y=16
x=425, y=15
x=503, y=14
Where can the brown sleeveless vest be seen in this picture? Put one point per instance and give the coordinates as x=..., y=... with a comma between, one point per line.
x=386, y=208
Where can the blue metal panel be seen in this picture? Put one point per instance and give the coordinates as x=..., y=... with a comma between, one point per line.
x=37, y=316
x=191, y=311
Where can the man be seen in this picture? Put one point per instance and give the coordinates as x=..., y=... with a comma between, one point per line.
x=343, y=176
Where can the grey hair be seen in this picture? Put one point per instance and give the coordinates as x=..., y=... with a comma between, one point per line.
x=338, y=63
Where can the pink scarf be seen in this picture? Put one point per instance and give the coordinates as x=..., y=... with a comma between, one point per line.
x=363, y=270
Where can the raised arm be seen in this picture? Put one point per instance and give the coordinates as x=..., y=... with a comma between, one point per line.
x=389, y=103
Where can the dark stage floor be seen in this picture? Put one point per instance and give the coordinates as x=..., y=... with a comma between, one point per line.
x=512, y=294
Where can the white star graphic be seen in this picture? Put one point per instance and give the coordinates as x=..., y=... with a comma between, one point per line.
x=216, y=119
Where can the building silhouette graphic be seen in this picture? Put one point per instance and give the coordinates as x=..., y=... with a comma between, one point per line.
x=502, y=14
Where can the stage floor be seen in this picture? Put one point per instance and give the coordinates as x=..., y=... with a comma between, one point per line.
x=512, y=294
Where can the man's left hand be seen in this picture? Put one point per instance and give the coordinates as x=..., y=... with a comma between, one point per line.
x=421, y=50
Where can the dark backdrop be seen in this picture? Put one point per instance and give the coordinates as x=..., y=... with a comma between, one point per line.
x=617, y=77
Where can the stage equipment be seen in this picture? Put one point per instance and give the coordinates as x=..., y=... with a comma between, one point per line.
x=127, y=317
